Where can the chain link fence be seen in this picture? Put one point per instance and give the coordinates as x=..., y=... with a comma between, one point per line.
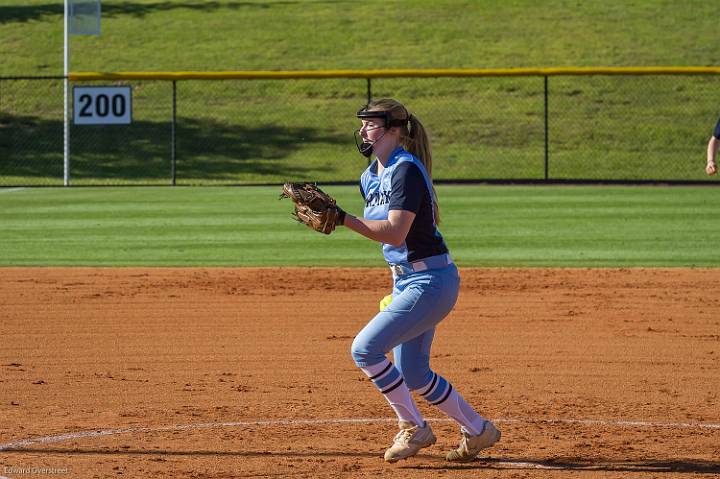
x=649, y=128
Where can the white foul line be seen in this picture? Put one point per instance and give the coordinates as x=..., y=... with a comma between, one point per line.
x=19, y=444
x=603, y=422
x=9, y=190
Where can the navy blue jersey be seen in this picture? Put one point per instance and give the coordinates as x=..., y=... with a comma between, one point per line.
x=716, y=134
x=403, y=185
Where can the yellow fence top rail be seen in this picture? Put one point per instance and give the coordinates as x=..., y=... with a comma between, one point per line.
x=398, y=73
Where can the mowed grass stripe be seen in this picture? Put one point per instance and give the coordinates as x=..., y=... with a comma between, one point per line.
x=552, y=226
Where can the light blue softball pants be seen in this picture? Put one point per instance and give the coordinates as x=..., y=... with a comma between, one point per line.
x=407, y=326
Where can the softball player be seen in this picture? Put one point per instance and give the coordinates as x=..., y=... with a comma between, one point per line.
x=712, y=150
x=401, y=212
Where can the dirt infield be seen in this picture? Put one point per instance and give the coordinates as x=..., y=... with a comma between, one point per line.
x=217, y=373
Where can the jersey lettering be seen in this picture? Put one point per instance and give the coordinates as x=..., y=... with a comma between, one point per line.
x=378, y=198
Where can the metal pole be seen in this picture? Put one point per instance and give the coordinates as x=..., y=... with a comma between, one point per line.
x=547, y=151
x=66, y=88
x=172, y=131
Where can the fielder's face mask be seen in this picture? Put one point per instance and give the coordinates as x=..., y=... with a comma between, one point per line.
x=366, y=147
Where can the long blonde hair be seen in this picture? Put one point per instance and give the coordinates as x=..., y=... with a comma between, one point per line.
x=414, y=138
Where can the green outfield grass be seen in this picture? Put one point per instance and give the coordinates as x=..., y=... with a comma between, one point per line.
x=569, y=226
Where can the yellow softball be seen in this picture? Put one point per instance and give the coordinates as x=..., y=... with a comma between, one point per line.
x=385, y=302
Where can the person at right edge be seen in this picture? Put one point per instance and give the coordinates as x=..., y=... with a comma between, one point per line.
x=712, y=149
x=401, y=213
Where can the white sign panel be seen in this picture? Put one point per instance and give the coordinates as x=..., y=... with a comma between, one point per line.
x=84, y=17
x=102, y=105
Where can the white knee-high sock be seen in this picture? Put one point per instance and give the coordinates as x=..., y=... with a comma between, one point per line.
x=440, y=393
x=392, y=385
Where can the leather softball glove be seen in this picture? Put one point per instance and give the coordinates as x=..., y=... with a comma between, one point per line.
x=313, y=207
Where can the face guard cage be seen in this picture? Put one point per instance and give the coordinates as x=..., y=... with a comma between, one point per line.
x=365, y=147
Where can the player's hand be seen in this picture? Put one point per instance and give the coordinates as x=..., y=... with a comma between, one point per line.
x=711, y=168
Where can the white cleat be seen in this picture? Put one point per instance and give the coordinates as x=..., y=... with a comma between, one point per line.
x=409, y=441
x=470, y=446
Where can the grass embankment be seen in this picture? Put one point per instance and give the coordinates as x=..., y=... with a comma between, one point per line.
x=270, y=131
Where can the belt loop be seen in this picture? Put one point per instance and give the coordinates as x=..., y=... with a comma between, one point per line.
x=396, y=270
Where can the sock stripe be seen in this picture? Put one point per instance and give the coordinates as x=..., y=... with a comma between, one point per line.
x=389, y=365
x=432, y=383
x=394, y=386
x=447, y=395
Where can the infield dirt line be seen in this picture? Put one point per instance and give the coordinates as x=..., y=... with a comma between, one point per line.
x=290, y=422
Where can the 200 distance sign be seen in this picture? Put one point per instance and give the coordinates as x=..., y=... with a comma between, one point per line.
x=102, y=105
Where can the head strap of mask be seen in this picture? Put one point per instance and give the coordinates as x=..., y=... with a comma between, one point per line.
x=364, y=114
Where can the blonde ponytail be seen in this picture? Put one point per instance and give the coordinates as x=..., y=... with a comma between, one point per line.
x=418, y=144
x=414, y=138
